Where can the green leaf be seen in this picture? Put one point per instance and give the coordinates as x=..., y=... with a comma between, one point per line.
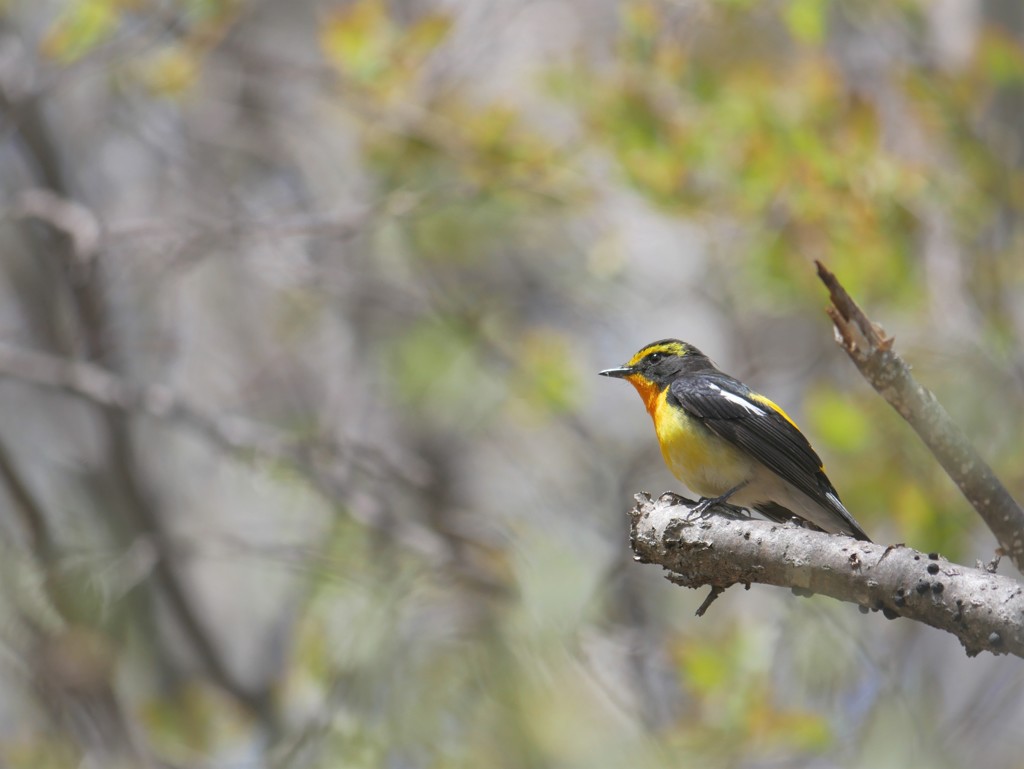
x=83, y=25
x=360, y=39
x=806, y=20
x=1002, y=58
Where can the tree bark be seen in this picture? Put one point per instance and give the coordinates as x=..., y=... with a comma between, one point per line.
x=983, y=610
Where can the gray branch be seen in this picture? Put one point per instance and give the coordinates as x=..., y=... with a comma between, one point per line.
x=871, y=351
x=322, y=461
x=94, y=383
x=983, y=610
x=230, y=432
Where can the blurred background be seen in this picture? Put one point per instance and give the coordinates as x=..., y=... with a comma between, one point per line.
x=304, y=461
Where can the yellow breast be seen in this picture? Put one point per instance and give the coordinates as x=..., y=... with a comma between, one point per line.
x=706, y=463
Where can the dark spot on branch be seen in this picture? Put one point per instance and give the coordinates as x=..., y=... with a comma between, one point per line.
x=938, y=587
x=933, y=568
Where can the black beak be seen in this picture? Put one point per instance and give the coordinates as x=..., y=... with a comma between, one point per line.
x=619, y=373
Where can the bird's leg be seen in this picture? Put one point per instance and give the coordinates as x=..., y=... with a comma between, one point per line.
x=706, y=503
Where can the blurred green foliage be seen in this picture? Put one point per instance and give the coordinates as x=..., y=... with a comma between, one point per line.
x=82, y=26
x=866, y=441
x=730, y=678
x=752, y=119
x=169, y=68
x=371, y=49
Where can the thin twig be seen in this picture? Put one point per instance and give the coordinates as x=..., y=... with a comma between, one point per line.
x=78, y=223
x=871, y=351
x=712, y=597
x=322, y=463
x=28, y=506
x=226, y=431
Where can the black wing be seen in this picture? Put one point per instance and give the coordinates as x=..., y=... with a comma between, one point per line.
x=727, y=408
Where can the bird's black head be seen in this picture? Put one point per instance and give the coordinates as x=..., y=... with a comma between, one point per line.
x=661, y=362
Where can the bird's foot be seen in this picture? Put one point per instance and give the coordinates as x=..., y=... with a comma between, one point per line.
x=703, y=508
x=670, y=497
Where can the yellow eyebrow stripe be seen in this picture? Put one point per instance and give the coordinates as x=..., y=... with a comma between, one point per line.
x=669, y=348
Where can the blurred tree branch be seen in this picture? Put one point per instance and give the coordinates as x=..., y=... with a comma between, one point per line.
x=983, y=610
x=82, y=277
x=226, y=431
x=28, y=507
x=871, y=351
x=319, y=461
x=96, y=384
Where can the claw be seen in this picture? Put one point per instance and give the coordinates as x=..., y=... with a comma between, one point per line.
x=672, y=498
x=702, y=508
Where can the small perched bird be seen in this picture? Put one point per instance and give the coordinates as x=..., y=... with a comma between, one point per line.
x=729, y=443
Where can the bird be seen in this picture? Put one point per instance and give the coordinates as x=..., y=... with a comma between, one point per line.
x=731, y=444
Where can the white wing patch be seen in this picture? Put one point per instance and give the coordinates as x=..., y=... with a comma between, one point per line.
x=733, y=398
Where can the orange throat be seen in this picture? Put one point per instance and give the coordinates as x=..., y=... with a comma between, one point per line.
x=649, y=391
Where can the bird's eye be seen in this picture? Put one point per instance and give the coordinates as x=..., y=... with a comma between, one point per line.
x=655, y=357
